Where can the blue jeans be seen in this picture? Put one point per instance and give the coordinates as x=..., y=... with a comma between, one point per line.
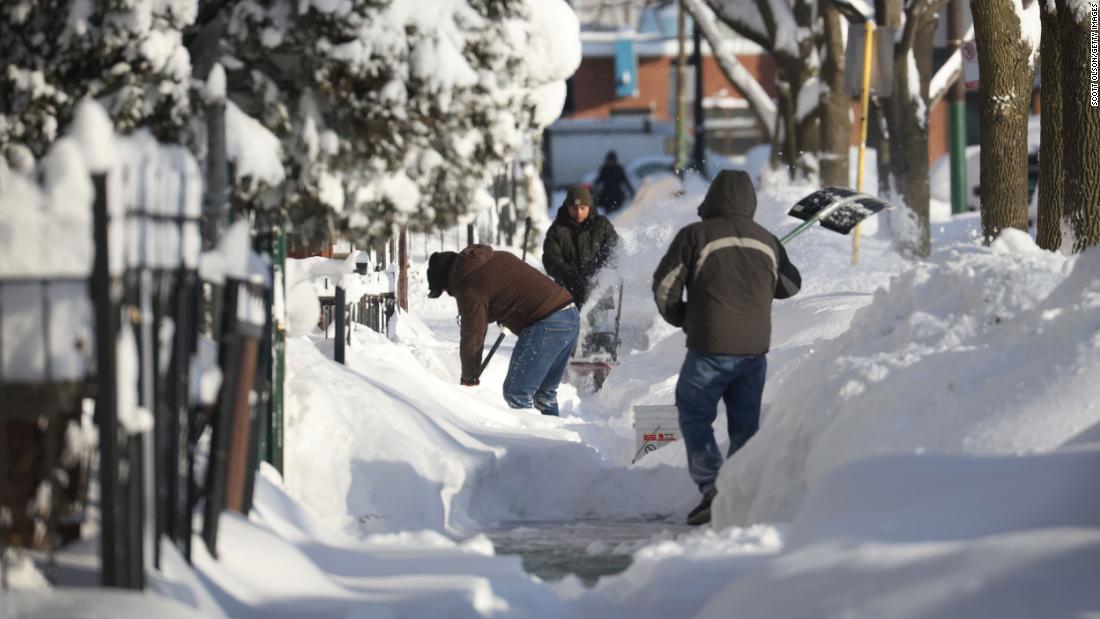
x=704, y=379
x=538, y=361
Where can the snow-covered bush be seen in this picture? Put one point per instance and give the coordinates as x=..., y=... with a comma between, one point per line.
x=392, y=111
x=127, y=53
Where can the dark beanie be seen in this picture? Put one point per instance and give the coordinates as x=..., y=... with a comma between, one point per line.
x=578, y=195
x=439, y=271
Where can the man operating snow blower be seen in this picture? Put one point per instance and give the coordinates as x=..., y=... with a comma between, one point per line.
x=732, y=268
x=579, y=244
x=495, y=286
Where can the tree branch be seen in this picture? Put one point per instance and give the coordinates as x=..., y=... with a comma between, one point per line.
x=759, y=101
x=736, y=14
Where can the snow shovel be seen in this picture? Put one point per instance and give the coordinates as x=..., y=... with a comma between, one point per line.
x=500, y=338
x=837, y=208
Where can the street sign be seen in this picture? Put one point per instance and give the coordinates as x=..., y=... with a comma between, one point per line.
x=626, y=69
x=969, y=53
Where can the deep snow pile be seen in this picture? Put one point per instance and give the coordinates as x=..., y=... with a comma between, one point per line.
x=972, y=351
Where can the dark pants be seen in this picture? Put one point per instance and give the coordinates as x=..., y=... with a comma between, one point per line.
x=704, y=379
x=538, y=361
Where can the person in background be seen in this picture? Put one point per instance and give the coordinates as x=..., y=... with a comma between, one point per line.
x=610, y=182
x=578, y=244
x=731, y=268
x=495, y=286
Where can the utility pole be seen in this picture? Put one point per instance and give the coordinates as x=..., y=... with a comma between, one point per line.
x=698, y=156
x=957, y=134
x=681, y=61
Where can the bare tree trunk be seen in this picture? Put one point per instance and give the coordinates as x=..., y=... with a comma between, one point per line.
x=799, y=136
x=1081, y=119
x=909, y=131
x=1007, y=73
x=836, y=120
x=887, y=13
x=1051, y=190
x=785, y=142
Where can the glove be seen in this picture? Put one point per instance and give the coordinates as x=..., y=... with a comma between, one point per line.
x=469, y=382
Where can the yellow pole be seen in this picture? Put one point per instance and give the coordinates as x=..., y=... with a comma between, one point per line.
x=864, y=97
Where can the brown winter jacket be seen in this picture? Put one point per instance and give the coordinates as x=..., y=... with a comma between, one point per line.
x=731, y=267
x=491, y=286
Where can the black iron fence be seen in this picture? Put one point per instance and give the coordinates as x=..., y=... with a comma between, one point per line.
x=121, y=338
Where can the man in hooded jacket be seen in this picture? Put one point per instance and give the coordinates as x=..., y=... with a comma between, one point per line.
x=578, y=244
x=495, y=286
x=731, y=268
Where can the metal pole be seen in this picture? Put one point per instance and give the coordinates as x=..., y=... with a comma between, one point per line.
x=112, y=549
x=864, y=97
x=403, y=272
x=681, y=104
x=698, y=158
x=957, y=133
x=338, y=332
x=275, y=428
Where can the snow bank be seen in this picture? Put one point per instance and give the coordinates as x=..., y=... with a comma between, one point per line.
x=944, y=360
x=936, y=536
x=406, y=448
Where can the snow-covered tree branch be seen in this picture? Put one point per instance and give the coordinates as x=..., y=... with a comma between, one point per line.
x=948, y=73
x=760, y=102
x=393, y=114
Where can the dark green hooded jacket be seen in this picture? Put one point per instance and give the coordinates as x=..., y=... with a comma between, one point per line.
x=731, y=267
x=573, y=253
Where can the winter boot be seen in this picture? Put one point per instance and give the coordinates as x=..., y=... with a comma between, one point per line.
x=701, y=513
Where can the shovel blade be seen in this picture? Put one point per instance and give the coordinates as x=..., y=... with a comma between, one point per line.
x=855, y=208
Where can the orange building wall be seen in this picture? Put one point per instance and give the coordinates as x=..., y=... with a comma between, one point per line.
x=594, y=84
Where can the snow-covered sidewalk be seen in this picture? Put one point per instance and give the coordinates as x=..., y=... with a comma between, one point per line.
x=927, y=448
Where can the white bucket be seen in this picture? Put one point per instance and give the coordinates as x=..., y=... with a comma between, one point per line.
x=654, y=427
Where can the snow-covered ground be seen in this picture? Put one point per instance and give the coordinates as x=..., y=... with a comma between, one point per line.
x=929, y=443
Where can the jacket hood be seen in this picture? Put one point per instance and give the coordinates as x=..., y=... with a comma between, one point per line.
x=730, y=194
x=469, y=260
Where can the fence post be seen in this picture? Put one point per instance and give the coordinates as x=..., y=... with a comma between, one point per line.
x=112, y=537
x=215, y=487
x=403, y=266
x=275, y=427
x=241, y=461
x=338, y=332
